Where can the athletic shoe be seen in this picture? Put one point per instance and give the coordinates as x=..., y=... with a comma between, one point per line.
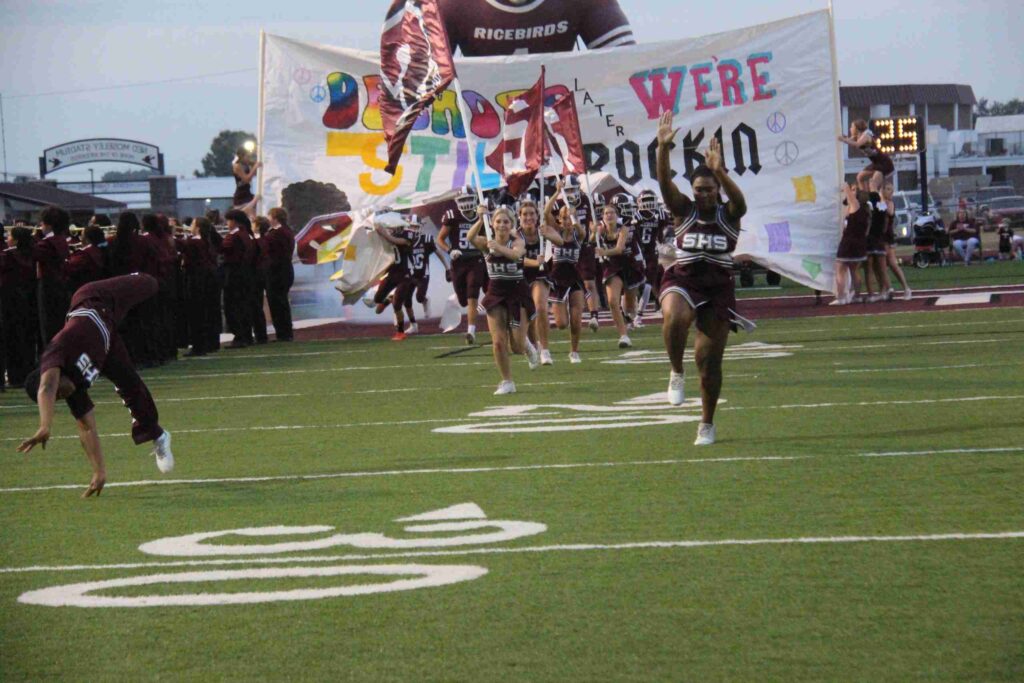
x=676, y=394
x=875, y=298
x=506, y=387
x=470, y=338
x=412, y=329
x=624, y=342
x=398, y=336
x=532, y=357
x=630, y=324
x=705, y=435
x=593, y=324
x=545, y=357
x=638, y=323
x=426, y=308
x=838, y=302
x=162, y=451
x=907, y=294
x=574, y=357
x=889, y=296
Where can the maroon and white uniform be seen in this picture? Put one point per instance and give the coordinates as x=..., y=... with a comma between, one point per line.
x=499, y=27
x=417, y=262
x=469, y=274
x=876, y=233
x=587, y=265
x=89, y=346
x=880, y=161
x=702, y=272
x=506, y=286
x=397, y=273
x=648, y=233
x=853, y=246
x=533, y=253
x=629, y=265
x=563, y=272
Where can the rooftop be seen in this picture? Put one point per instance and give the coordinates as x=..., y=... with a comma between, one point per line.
x=940, y=93
x=45, y=194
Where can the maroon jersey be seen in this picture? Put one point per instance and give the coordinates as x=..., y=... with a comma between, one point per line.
x=648, y=232
x=564, y=259
x=279, y=244
x=708, y=241
x=238, y=247
x=418, y=254
x=86, y=265
x=17, y=268
x=198, y=254
x=458, y=234
x=51, y=253
x=501, y=27
x=502, y=268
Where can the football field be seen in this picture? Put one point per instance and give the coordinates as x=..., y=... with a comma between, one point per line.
x=367, y=510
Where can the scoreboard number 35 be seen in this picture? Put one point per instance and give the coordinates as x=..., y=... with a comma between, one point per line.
x=899, y=134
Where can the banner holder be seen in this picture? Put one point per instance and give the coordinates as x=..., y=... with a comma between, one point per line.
x=471, y=142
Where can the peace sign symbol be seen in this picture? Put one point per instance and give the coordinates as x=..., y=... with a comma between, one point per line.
x=787, y=153
x=302, y=75
x=777, y=122
x=318, y=93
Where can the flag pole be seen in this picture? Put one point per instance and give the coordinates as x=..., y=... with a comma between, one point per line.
x=471, y=142
x=261, y=117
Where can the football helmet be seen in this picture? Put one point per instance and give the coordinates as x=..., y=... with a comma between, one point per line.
x=467, y=202
x=647, y=205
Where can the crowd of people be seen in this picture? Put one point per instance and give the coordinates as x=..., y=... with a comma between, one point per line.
x=518, y=260
x=209, y=271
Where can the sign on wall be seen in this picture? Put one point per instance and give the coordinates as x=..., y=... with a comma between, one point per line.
x=101, y=149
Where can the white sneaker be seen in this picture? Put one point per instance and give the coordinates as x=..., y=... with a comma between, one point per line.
x=426, y=308
x=907, y=294
x=624, y=342
x=705, y=435
x=574, y=358
x=875, y=298
x=545, y=357
x=638, y=323
x=630, y=324
x=532, y=357
x=162, y=451
x=470, y=338
x=506, y=387
x=593, y=324
x=838, y=302
x=889, y=296
x=676, y=394
x=413, y=328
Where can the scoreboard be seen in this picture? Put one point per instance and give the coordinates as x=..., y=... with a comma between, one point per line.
x=899, y=134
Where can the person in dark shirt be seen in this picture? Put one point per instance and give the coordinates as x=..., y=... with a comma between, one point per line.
x=51, y=254
x=202, y=300
x=238, y=250
x=18, y=303
x=87, y=346
x=90, y=263
x=280, y=246
x=258, y=264
x=164, y=269
x=505, y=27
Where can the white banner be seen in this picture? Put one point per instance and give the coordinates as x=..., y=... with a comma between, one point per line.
x=768, y=92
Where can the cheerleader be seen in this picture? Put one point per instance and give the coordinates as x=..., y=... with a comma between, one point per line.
x=533, y=271
x=623, y=275
x=507, y=301
x=563, y=273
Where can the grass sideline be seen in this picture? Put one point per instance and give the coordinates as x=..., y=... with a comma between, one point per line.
x=895, y=426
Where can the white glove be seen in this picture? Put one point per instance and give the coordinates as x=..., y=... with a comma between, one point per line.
x=455, y=254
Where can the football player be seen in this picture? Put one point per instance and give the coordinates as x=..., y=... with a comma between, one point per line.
x=469, y=274
x=505, y=27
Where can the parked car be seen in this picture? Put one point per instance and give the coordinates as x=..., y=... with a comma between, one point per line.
x=1005, y=207
x=908, y=208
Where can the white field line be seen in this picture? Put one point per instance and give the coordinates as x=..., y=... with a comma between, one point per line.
x=889, y=346
x=566, y=548
x=32, y=406
x=929, y=367
x=348, y=425
x=295, y=354
x=918, y=293
x=503, y=468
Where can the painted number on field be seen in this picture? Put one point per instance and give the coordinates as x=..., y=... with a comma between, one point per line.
x=459, y=525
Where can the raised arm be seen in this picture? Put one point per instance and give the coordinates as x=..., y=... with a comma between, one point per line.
x=852, y=203
x=620, y=244
x=515, y=252
x=473, y=235
x=737, y=207
x=677, y=202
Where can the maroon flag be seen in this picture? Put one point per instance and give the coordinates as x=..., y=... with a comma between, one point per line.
x=415, y=67
x=562, y=125
x=520, y=154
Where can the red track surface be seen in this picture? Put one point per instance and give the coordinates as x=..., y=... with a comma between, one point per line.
x=1004, y=296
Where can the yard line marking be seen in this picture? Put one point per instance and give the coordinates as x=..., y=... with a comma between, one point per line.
x=401, y=473
x=295, y=354
x=928, y=367
x=347, y=425
x=893, y=454
x=33, y=407
x=503, y=468
x=889, y=346
x=574, y=547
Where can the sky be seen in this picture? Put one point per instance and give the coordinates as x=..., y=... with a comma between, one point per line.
x=53, y=49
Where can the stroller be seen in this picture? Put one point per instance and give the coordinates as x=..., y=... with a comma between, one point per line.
x=930, y=242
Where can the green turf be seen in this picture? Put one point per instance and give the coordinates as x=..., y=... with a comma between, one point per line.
x=793, y=433
x=988, y=274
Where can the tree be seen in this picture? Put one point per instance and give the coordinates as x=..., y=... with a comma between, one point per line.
x=120, y=176
x=311, y=198
x=217, y=162
x=1011, y=108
